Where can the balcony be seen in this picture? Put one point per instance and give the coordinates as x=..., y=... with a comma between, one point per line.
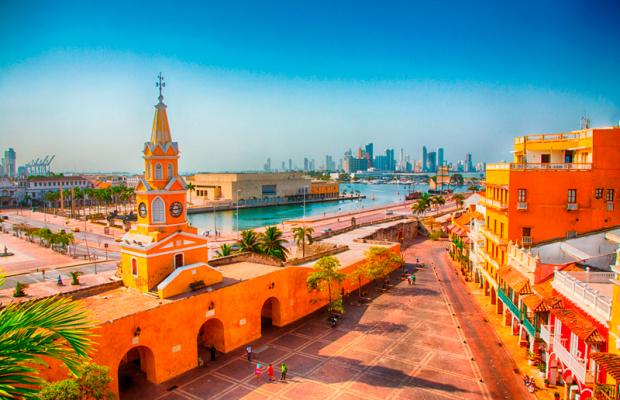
x=572, y=206
x=526, y=240
x=539, y=167
x=492, y=236
x=576, y=365
x=486, y=257
x=553, y=137
x=584, y=289
x=508, y=303
x=522, y=206
x=610, y=206
x=546, y=334
x=496, y=204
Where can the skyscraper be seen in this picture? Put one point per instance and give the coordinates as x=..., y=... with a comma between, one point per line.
x=440, y=160
x=290, y=164
x=469, y=166
x=432, y=162
x=424, y=159
x=267, y=165
x=306, y=164
x=8, y=164
x=329, y=163
x=370, y=152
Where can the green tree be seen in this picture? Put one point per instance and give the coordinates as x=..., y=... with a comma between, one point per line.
x=459, y=199
x=249, y=241
x=438, y=200
x=422, y=204
x=91, y=383
x=272, y=243
x=190, y=187
x=303, y=234
x=358, y=274
x=53, y=327
x=326, y=271
x=381, y=261
x=224, y=251
x=457, y=180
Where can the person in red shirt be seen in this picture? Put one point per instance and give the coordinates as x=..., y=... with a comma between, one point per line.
x=270, y=373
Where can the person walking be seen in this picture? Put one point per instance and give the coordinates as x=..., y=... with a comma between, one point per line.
x=258, y=370
x=249, y=351
x=283, y=371
x=213, y=351
x=409, y=279
x=413, y=279
x=270, y=373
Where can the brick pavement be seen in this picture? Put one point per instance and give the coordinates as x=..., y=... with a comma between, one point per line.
x=405, y=345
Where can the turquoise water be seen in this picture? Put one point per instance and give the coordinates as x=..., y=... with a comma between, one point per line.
x=255, y=217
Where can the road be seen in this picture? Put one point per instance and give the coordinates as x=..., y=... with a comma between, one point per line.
x=497, y=367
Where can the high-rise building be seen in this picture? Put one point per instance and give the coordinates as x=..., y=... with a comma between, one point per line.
x=8, y=164
x=306, y=164
x=424, y=159
x=330, y=165
x=369, y=151
x=267, y=166
x=283, y=166
x=402, y=164
x=440, y=159
x=311, y=166
x=290, y=164
x=469, y=166
x=431, y=162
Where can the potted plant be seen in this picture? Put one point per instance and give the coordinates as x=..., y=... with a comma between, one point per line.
x=546, y=382
x=542, y=369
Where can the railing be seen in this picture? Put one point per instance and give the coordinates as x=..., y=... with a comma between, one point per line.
x=529, y=327
x=522, y=206
x=492, y=236
x=575, y=287
x=526, y=240
x=494, y=203
x=489, y=259
x=545, y=333
x=610, y=206
x=572, y=206
x=553, y=137
x=539, y=167
x=513, y=308
x=576, y=365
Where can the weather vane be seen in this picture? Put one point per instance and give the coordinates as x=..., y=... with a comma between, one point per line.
x=160, y=84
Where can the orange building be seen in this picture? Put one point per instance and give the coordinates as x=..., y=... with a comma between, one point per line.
x=324, y=190
x=173, y=304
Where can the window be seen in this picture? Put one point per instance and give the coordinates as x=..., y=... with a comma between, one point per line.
x=527, y=231
x=495, y=226
x=159, y=172
x=501, y=229
x=170, y=171
x=572, y=196
x=574, y=344
x=545, y=158
x=558, y=328
x=134, y=267
x=148, y=172
x=521, y=195
x=609, y=195
x=598, y=193
x=158, y=211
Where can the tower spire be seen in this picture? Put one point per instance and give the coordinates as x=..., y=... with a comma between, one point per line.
x=160, y=84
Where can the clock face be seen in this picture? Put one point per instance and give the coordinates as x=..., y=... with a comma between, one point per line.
x=176, y=209
x=142, y=210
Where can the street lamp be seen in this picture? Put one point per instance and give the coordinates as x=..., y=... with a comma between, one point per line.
x=305, y=202
x=238, y=193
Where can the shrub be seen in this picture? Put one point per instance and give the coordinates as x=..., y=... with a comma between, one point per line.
x=19, y=290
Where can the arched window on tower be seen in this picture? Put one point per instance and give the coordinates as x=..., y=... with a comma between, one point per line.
x=170, y=171
x=148, y=172
x=159, y=173
x=158, y=213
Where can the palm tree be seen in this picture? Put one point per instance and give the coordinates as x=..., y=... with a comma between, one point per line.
x=302, y=234
x=438, y=200
x=272, y=244
x=191, y=187
x=249, y=241
x=55, y=328
x=459, y=199
x=224, y=251
x=423, y=204
x=326, y=271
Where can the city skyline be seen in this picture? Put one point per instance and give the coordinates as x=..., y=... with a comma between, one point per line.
x=259, y=82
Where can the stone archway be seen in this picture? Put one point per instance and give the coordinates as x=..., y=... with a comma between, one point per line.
x=270, y=313
x=211, y=333
x=135, y=370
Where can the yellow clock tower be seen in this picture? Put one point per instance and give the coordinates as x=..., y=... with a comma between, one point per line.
x=163, y=244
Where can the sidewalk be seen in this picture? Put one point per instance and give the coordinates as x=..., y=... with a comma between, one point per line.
x=509, y=341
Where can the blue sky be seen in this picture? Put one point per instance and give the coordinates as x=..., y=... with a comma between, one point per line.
x=250, y=80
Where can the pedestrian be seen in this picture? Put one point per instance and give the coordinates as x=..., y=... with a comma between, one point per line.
x=409, y=279
x=413, y=279
x=258, y=370
x=249, y=351
x=213, y=351
x=270, y=373
x=283, y=371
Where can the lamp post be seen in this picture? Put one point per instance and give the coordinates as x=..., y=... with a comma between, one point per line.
x=238, y=193
x=305, y=202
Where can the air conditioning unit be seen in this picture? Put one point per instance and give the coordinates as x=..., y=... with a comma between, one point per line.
x=571, y=206
x=522, y=206
x=527, y=240
x=610, y=206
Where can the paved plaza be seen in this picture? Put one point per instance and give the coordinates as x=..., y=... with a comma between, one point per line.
x=406, y=344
